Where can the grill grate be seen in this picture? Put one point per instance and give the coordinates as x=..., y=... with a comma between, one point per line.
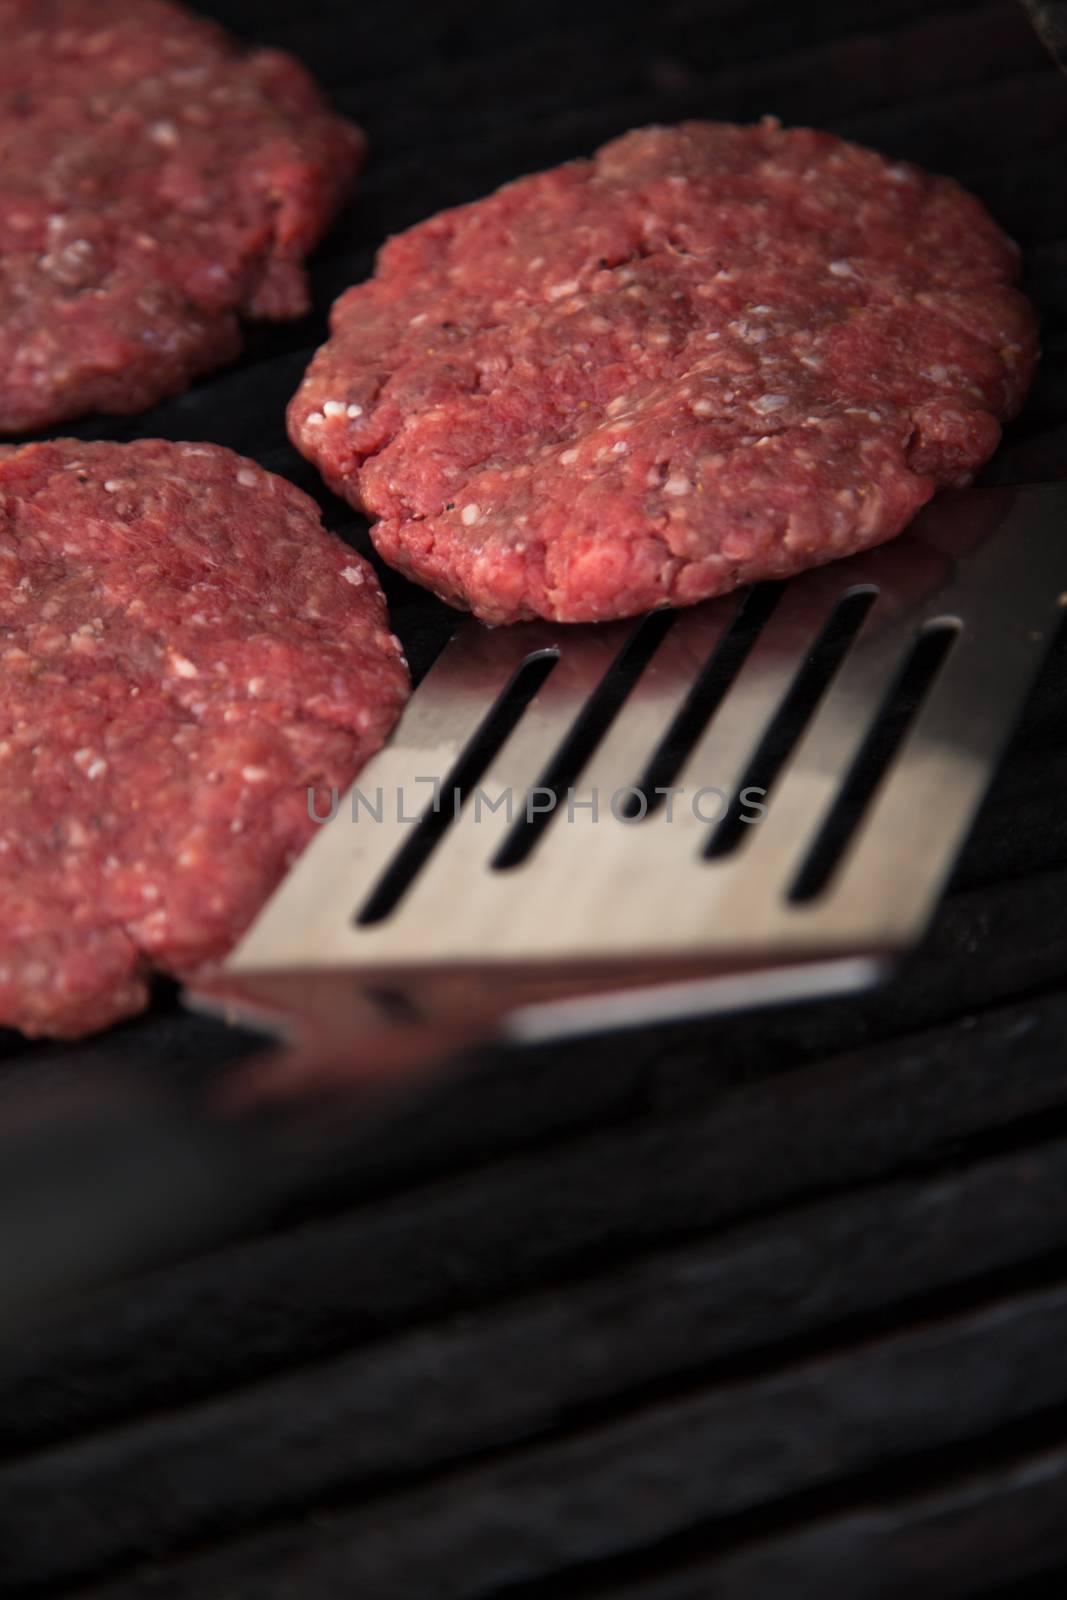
x=762, y=1310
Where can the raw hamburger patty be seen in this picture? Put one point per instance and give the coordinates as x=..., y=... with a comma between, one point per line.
x=183, y=650
x=155, y=180
x=711, y=354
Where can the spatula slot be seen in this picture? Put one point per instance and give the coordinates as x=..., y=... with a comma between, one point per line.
x=584, y=735
x=709, y=690
x=786, y=727
x=902, y=704
x=435, y=821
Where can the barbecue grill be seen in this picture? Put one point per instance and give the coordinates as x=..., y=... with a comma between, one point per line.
x=769, y=1306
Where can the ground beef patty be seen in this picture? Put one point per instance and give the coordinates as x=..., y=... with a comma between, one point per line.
x=183, y=650
x=155, y=180
x=711, y=354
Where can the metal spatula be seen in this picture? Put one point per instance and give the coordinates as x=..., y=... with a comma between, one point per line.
x=757, y=799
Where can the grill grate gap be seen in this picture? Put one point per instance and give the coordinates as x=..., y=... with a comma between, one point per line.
x=500, y=721
x=902, y=704
x=704, y=699
x=783, y=733
x=588, y=729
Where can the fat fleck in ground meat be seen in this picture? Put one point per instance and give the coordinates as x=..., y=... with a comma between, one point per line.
x=709, y=355
x=155, y=181
x=183, y=651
